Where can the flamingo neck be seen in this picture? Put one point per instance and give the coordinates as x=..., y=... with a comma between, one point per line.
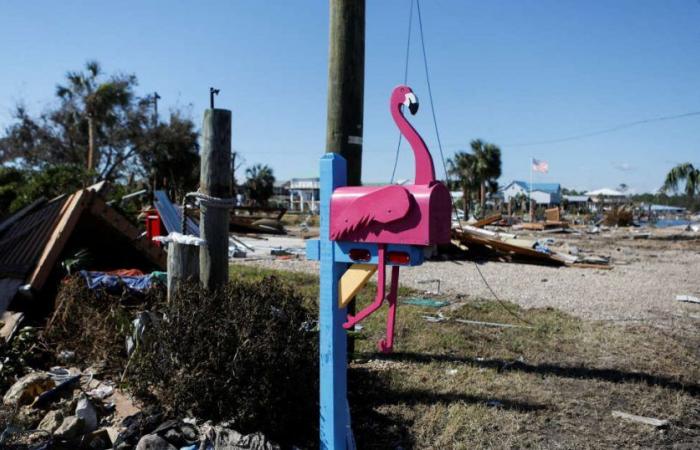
x=425, y=171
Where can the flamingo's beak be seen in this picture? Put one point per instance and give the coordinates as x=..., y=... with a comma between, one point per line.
x=412, y=102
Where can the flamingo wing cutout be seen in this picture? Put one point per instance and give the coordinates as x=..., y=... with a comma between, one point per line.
x=383, y=205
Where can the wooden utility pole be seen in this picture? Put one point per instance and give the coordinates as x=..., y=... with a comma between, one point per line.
x=346, y=92
x=215, y=181
x=346, y=84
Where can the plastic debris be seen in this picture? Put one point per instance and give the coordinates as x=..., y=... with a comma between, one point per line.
x=427, y=302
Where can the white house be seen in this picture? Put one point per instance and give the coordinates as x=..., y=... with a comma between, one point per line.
x=304, y=194
x=542, y=193
x=606, y=196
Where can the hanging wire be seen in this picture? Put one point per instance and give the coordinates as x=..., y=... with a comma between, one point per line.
x=444, y=164
x=405, y=80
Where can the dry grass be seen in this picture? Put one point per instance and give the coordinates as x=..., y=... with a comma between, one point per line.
x=452, y=385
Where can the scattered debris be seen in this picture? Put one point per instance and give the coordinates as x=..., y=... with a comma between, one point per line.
x=436, y=282
x=487, y=221
x=491, y=324
x=435, y=318
x=658, y=423
x=9, y=324
x=27, y=388
x=687, y=298
x=427, y=302
x=511, y=246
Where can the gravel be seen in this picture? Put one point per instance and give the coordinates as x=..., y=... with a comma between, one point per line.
x=646, y=277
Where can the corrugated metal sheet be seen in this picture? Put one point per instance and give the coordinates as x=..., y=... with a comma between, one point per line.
x=22, y=242
x=172, y=216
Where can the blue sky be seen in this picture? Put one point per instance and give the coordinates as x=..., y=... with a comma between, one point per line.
x=509, y=72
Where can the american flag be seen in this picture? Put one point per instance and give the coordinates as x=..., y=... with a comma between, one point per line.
x=540, y=165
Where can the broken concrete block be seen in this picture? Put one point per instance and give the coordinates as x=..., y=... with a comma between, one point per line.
x=70, y=428
x=154, y=442
x=51, y=421
x=86, y=411
x=28, y=387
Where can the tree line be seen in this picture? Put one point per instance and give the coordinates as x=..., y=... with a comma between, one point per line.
x=101, y=129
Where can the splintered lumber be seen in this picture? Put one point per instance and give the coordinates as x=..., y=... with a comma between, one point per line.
x=494, y=243
x=511, y=245
x=658, y=423
x=532, y=226
x=487, y=221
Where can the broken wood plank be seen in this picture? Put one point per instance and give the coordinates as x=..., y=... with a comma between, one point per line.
x=687, y=299
x=65, y=224
x=487, y=221
x=531, y=226
x=658, y=423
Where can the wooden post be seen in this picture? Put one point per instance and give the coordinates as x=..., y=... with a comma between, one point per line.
x=215, y=181
x=183, y=265
x=334, y=414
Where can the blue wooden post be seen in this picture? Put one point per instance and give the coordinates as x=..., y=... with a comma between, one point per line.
x=332, y=339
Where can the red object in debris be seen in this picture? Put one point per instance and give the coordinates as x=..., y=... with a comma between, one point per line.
x=154, y=226
x=126, y=273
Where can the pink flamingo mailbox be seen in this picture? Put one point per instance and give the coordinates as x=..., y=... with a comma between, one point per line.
x=363, y=230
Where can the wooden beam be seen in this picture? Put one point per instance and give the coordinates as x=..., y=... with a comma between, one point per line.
x=66, y=221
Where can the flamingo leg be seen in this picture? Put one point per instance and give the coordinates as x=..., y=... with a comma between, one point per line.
x=386, y=345
x=378, y=299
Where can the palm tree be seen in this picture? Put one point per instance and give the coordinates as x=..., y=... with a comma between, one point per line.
x=462, y=166
x=487, y=166
x=683, y=172
x=476, y=171
x=260, y=183
x=97, y=102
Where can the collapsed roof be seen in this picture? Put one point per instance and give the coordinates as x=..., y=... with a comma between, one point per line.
x=35, y=240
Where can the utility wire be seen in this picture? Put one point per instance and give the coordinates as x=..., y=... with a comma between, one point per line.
x=444, y=164
x=405, y=80
x=605, y=130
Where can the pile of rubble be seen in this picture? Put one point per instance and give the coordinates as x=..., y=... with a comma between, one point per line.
x=71, y=409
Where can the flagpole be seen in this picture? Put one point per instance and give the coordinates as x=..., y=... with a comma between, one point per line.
x=532, y=212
